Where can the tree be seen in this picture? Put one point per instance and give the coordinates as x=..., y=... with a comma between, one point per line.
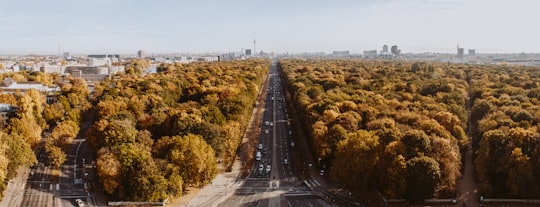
x=19, y=152
x=110, y=171
x=417, y=143
x=4, y=162
x=54, y=112
x=31, y=107
x=65, y=132
x=423, y=176
x=356, y=154
x=57, y=157
x=26, y=128
x=194, y=158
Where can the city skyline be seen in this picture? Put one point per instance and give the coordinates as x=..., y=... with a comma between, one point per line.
x=126, y=26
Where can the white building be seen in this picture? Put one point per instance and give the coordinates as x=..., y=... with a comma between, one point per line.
x=11, y=86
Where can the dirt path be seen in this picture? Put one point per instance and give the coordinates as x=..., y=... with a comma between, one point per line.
x=466, y=186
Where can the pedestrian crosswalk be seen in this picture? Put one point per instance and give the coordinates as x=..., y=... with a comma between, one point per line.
x=311, y=183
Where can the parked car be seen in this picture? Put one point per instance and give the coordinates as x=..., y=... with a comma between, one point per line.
x=285, y=161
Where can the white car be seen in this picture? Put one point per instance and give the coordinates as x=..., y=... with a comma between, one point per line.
x=285, y=161
x=266, y=131
x=271, y=123
x=79, y=202
x=260, y=147
x=261, y=167
x=268, y=168
x=258, y=156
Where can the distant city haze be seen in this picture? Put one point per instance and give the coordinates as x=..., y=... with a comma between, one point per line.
x=174, y=26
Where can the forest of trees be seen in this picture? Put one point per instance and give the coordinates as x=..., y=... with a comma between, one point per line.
x=401, y=126
x=394, y=125
x=23, y=132
x=398, y=126
x=505, y=117
x=157, y=134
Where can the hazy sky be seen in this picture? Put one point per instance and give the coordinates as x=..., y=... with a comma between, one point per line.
x=164, y=26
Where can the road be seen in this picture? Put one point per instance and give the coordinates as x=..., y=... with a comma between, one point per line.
x=280, y=186
x=44, y=189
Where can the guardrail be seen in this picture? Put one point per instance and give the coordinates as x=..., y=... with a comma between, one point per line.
x=130, y=203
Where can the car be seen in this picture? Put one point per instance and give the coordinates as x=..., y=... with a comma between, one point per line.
x=266, y=131
x=258, y=156
x=266, y=123
x=271, y=123
x=285, y=161
x=265, y=151
x=322, y=172
x=79, y=202
x=261, y=167
x=268, y=168
x=259, y=147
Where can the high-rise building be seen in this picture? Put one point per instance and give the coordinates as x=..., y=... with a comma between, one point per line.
x=141, y=54
x=472, y=52
x=394, y=50
x=460, y=52
x=385, y=48
x=248, y=52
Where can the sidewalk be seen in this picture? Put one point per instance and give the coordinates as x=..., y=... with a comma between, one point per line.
x=221, y=187
x=14, y=193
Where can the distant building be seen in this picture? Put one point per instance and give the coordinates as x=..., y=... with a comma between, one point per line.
x=99, y=62
x=394, y=50
x=89, y=73
x=113, y=56
x=460, y=52
x=472, y=52
x=6, y=112
x=52, y=69
x=248, y=52
x=370, y=53
x=103, y=60
x=344, y=53
x=9, y=86
x=141, y=54
x=83, y=69
x=66, y=56
x=384, y=48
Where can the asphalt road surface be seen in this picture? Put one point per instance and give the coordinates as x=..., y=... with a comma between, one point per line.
x=280, y=186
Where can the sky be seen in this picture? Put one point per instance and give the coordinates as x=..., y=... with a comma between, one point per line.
x=200, y=26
